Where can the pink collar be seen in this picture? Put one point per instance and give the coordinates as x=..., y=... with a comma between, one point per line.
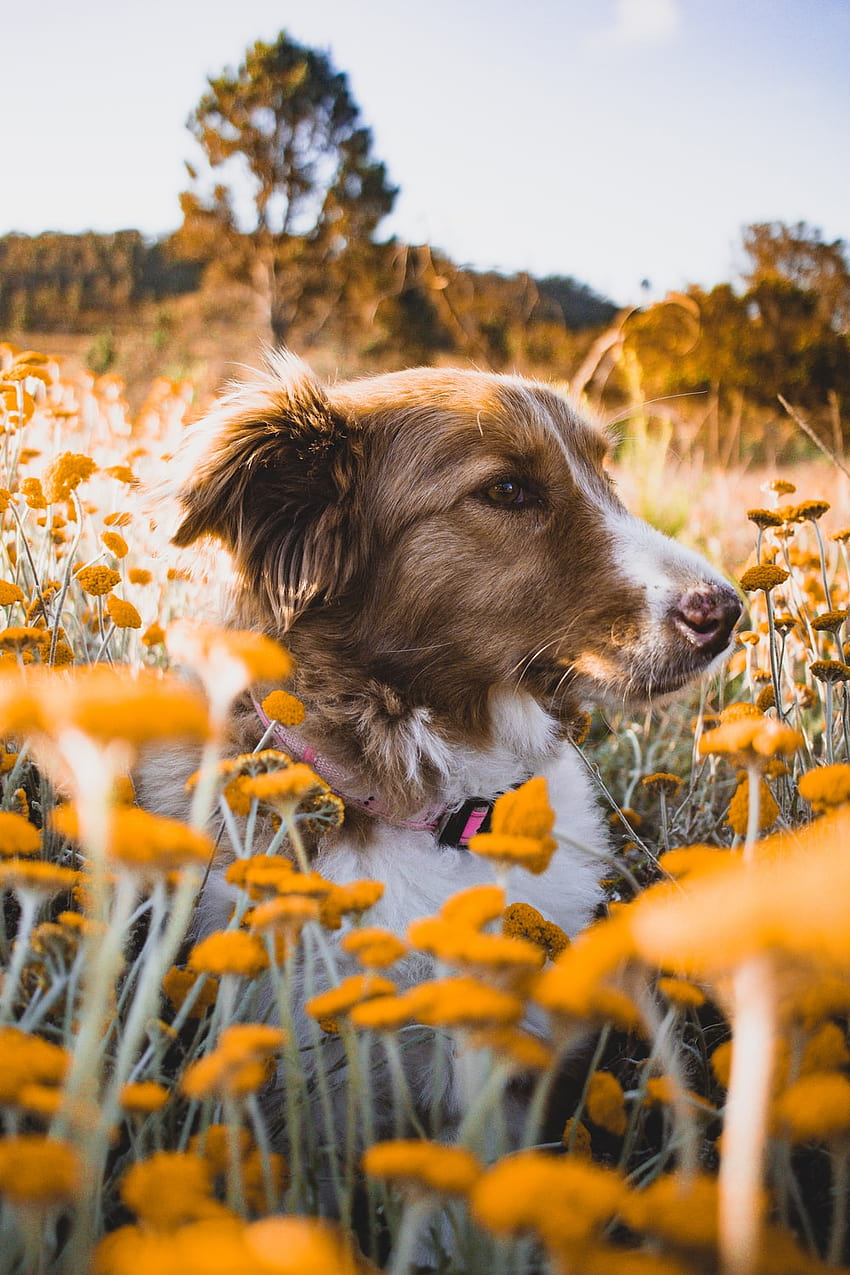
x=451, y=825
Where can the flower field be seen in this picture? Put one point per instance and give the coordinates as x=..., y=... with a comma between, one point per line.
x=704, y=1123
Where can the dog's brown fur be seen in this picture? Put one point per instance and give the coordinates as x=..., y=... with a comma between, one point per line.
x=364, y=526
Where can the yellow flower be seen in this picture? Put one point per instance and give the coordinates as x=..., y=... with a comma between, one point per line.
x=140, y=575
x=794, y=898
x=97, y=580
x=829, y=622
x=816, y=1108
x=684, y=1212
x=38, y=1170
x=122, y=474
x=416, y=1166
x=523, y=921
x=66, y=472
x=606, y=1104
x=213, y=652
x=17, y=835
x=301, y=1246
x=177, y=985
x=264, y=876
x=115, y=543
x=520, y=827
x=825, y=1050
x=382, y=1014
x=737, y=815
x=144, y=1096
x=33, y=494
x=355, y=897
x=26, y=1059
x=350, y=992
x=830, y=671
x=811, y=509
x=123, y=614
x=25, y=876
x=140, y=840
x=10, y=593
x=254, y=1040
x=20, y=637
x=229, y=952
x=662, y=782
x=105, y=703
x=512, y=1045
x=154, y=635
x=214, y=1244
x=239, y=1065
x=687, y=861
x=170, y=1188
x=576, y=1138
x=374, y=947
x=562, y=1199
x=285, y=788
x=765, y=577
x=749, y=740
x=467, y=947
x=474, y=907
x=508, y=851
x=463, y=1003
x=285, y=915
x=524, y=811
x=213, y=1144
x=282, y=707
x=579, y=984
x=765, y=518
x=682, y=992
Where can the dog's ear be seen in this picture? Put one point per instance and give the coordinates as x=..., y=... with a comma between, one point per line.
x=271, y=476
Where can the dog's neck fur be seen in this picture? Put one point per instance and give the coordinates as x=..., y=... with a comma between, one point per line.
x=411, y=754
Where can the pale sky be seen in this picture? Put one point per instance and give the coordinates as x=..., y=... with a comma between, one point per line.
x=610, y=140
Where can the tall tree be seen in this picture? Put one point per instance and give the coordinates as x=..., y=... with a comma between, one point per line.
x=797, y=256
x=299, y=188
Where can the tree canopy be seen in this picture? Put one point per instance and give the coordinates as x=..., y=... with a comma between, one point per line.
x=299, y=189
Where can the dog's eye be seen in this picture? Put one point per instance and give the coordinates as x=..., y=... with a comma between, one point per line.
x=507, y=492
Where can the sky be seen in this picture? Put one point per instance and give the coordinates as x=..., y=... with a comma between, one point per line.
x=612, y=140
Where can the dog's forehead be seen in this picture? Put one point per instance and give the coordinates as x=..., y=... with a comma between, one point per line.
x=447, y=412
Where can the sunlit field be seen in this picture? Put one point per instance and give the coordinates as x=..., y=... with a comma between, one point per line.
x=240, y=1105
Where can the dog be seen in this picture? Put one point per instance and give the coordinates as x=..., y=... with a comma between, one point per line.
x=445, y=556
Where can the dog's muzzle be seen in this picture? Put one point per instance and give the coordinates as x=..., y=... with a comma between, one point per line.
x=706, y=615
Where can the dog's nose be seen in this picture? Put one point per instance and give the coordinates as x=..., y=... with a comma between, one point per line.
x=706, y=616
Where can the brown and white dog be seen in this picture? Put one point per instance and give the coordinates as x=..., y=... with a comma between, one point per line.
x=445, y=556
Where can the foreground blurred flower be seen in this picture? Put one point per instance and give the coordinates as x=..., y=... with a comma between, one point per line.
x=17, y=835
x=226, y=660
x=415, y=1166
x=240, y=1063
x=27, y=1059
x=229, y=952
x=142, y=841
x=561, y=1199
x=816, y=1108
x=103, y=703
x=36, y=1170
x=170, y=1188
x=826, y=786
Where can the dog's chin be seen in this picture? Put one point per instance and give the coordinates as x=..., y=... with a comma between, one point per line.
x=638, y=684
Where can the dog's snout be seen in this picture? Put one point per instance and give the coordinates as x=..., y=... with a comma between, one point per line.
x=706, y=616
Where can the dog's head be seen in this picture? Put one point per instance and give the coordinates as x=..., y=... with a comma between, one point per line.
x=448, y=533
